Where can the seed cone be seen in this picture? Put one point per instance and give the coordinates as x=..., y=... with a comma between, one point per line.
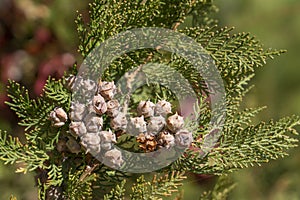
x=146, y=108
x=113, y=158
x=163, y=108
x=77, y=129
x=136, y=125
x=107, y=89
x=147, y=142
x=78, y=111
x=58, y=117
x=166, y=139
x=113, y=107
x=73, y=146
x=175, y=122
x=156, y=124
x=107, y=139
x=183, y=138
x=99, y=104
x=119, y=122
x=91, y=142
x=93, y=123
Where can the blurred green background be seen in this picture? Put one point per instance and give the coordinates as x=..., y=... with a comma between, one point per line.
x=38, y=38
x=277, y=24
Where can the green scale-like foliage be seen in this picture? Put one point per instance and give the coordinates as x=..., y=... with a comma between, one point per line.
x=220, y=191
x=242, y=143
x=13, y=151
x=157, y=188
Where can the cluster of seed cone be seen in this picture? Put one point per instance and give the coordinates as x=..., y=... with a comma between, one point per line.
x=155, y=126
x=158, y=127
x=87, y=119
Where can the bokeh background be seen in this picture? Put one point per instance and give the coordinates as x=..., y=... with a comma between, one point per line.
x=38, y=38
x=277, y=24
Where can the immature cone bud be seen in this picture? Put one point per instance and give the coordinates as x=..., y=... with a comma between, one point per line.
x=91, y=142
x=113, y=107
x=107, y=138
x=93, y=123
x=183, y=138
x=113, y=158
x=163, y=108
x=156, y=124
x=119, y=122
x=137, y=125
x=77, y=112
x=99, y=104
x=73, y=146
x=165, y=139
x=175, y=122
x=146, y=108
x=58, y=117
x=77, y=129
x=107, y=89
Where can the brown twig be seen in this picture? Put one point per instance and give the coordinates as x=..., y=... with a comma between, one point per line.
x=88, y=170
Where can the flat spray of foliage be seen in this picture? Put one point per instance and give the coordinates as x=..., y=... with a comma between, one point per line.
x=80, y=176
